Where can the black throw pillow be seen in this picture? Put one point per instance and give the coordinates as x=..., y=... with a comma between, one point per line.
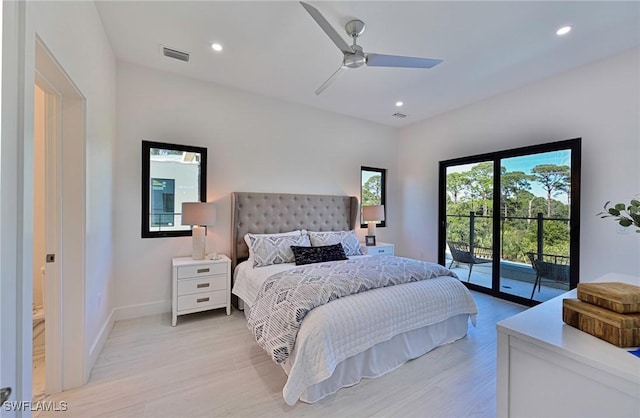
x=309, y=255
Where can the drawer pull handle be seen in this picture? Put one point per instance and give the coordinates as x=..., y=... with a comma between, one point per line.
x=203, y=270
x=200, y=300
x=380, y=251
x=201, y=285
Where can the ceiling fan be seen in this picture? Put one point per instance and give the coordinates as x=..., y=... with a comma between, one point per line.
x=354, y=56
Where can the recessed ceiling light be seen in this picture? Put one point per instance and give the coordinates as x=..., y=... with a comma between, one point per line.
x=563, y=30
x=216, y=47
x=399, y=104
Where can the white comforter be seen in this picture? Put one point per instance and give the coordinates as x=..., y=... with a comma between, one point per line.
x=338, y=330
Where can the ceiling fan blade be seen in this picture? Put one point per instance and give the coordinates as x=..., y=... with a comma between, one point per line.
x=327, y=28
x=331, y=79
x=380, y=60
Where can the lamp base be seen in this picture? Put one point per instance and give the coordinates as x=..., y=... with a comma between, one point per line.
x=371, y=229
x=199, y=242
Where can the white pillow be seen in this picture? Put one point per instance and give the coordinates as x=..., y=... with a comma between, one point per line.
x=268, y=249
x=348, y=239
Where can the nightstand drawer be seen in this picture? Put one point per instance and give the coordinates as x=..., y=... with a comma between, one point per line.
x=378, y=250
x=202, y=284
x=202, y=300
x=201, y=270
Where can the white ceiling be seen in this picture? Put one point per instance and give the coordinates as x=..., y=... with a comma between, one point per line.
x=276, y=49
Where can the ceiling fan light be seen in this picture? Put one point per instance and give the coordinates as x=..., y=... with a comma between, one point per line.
x=399, y=103
x=563, y=30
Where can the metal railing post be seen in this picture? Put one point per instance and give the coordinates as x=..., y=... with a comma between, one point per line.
x=472, y=231
x=540, y=235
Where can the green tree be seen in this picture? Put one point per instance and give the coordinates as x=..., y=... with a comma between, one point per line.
x=372, y=191
x=481, y=176
x=512, y=183
x=456, y=183
x=554, y=179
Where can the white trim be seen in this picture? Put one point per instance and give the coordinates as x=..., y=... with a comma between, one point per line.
x=65, y=308
x=15, y=367
x=99, y=342
x=142, y=309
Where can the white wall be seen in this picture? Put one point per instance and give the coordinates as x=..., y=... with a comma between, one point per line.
x=599, y=102
x=73, y=33
x=254, y=144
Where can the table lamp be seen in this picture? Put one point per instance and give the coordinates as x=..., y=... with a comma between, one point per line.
x=199, y=215
x=371, y=215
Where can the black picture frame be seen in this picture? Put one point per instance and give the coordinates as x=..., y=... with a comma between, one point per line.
x=370, y=240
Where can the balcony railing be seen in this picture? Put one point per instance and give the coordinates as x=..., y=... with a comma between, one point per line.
x=472, y=240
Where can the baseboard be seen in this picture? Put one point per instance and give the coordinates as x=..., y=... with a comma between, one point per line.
x=118, y=314
x=99, y=342
x=143, y=309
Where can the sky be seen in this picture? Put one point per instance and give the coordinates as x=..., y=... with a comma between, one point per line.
x=525, y=164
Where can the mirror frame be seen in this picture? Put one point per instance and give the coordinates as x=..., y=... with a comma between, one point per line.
x=146, y=178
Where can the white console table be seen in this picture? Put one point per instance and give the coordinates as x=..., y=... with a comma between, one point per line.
x=547, y=368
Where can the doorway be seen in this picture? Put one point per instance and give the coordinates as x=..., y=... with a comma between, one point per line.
x=63, y=117
x=40, y=135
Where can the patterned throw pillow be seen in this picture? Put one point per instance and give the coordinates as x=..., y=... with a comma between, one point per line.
x=273, y=249
x=348, y=239
x=309, y=255
x=295, y=233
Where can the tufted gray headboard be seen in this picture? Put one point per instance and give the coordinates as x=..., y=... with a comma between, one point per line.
x=270, y=213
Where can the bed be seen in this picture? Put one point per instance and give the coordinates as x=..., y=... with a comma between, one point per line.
x=366, y=334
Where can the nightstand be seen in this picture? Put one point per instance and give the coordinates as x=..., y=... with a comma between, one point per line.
x=200, y=285
x=381, y=248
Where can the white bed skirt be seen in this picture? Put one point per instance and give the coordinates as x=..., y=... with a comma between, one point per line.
x=385, y=356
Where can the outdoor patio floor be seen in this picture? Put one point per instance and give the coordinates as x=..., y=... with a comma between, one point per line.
x=481, y=276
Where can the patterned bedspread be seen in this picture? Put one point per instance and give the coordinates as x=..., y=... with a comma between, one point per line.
x=286, y=298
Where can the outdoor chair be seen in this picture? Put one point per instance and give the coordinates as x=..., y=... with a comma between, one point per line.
x=460, y=252
x=552, y=267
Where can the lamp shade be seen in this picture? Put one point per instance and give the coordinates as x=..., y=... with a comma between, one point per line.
x=373, y=213
x=198, y=213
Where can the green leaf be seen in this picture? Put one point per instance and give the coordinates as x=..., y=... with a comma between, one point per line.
x=614, y=212
x=620, y=206
x=625, y=222
x=635, y=203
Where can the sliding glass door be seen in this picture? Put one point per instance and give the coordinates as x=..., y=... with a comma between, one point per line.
x=509, y=220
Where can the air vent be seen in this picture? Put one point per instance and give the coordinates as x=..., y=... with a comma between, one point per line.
x=399, y=115
x=174, y=53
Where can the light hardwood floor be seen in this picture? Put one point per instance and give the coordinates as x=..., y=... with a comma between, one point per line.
x=210, y=366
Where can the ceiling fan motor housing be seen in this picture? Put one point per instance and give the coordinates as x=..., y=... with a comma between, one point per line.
x=355, y=60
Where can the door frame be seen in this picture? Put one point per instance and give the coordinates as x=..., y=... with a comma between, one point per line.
x=65, y=340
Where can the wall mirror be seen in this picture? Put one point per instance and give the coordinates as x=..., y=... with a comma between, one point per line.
x=171, y=174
